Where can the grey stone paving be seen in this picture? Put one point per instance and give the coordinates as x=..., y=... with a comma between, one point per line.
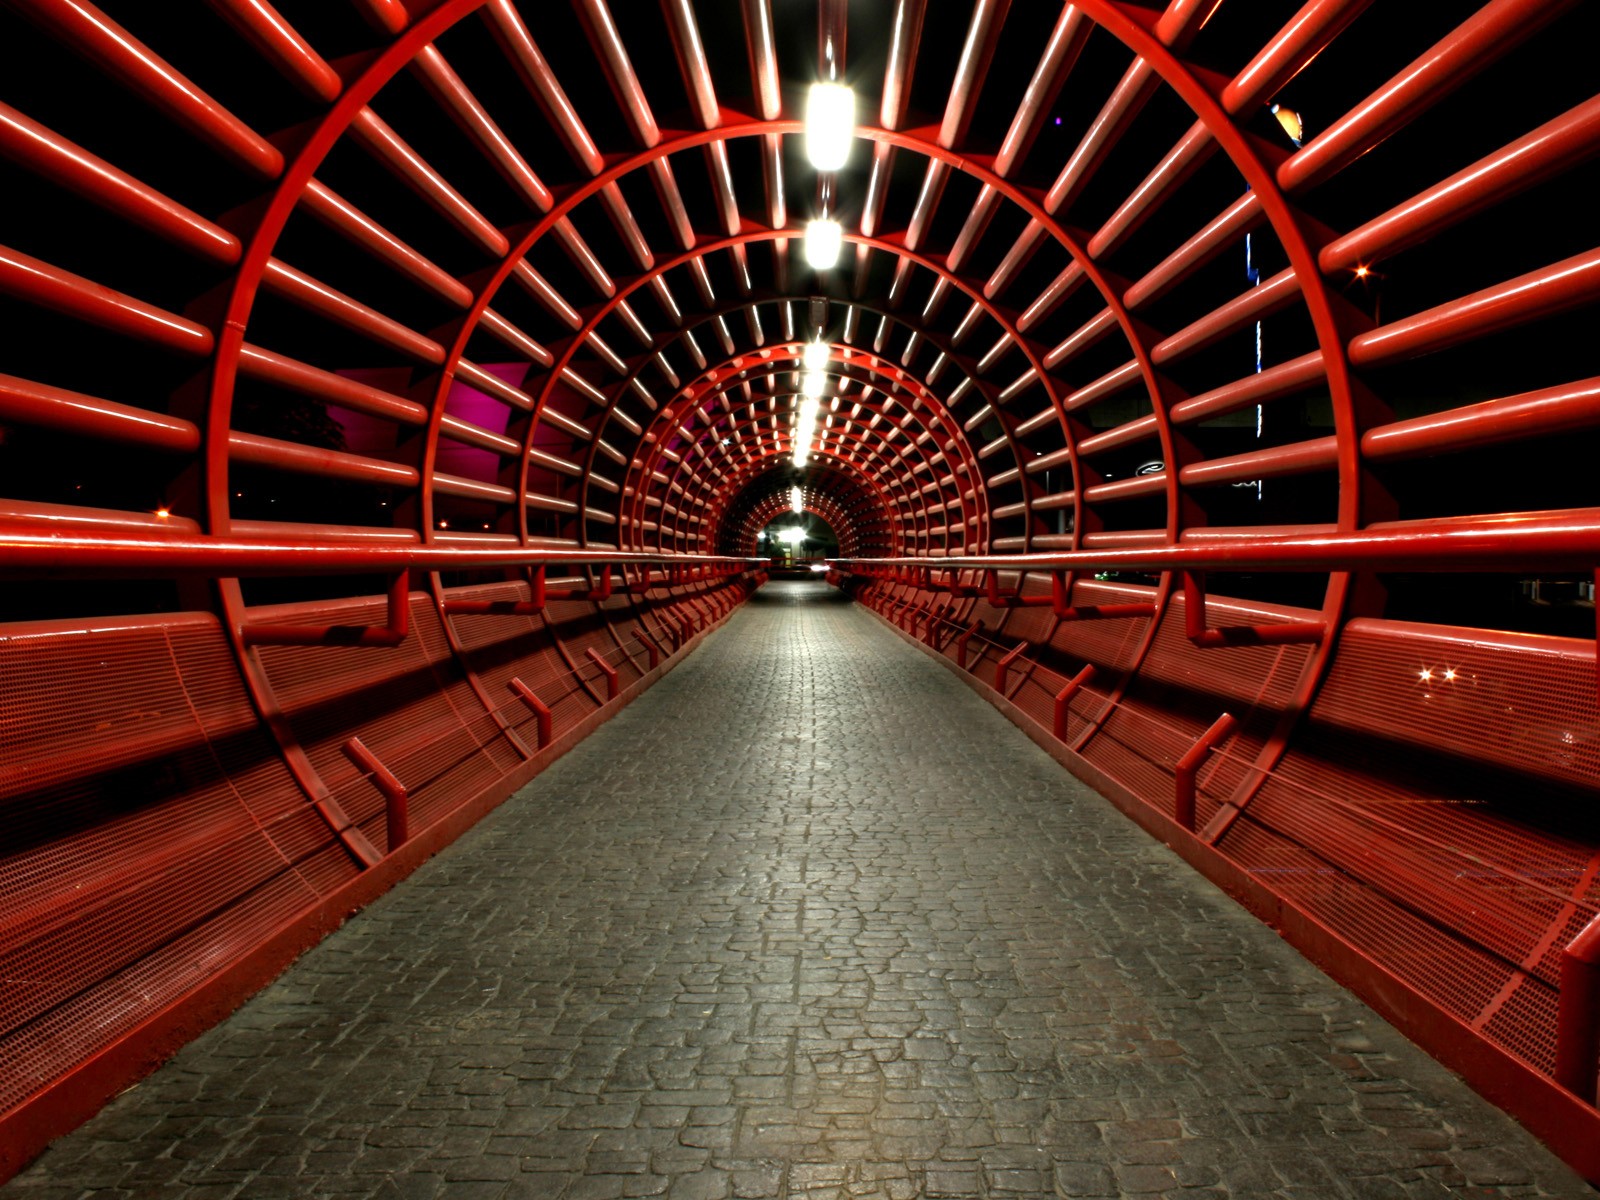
x=807, y=919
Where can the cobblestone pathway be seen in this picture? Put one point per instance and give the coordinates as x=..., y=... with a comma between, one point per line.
x=807, y=919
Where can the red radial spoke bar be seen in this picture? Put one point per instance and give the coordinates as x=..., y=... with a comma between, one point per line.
x=24, y=402
x=39, y=283
x=361, y=230
x=279, y=44
x=407, y=165
x=89, y=32
x=25, y=141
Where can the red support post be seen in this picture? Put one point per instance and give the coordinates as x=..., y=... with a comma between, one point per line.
x=650, y=648
x=1578, y=1014
x=541, y=710
x=541, y=595
x=613, y=685
x=1188, y=767
x=396, y=801
x=1065, y=611
x=602, y=592
x=391, y=633
x=1003, y=667
x=961, y=643
x=1194, y=623
x=1064, y=699
x=993, y=594
x=686, y=626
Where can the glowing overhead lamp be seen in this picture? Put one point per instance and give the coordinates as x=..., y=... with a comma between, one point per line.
x=824, y=240
x=813, y=384
x=805, y=428
x=830, y=125
x=815, y=356
x=797, y=501
x=794, y=535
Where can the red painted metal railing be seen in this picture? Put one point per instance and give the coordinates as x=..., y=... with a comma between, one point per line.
x=1113, y=731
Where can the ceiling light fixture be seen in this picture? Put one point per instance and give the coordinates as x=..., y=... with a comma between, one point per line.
x=805, y=430
x=830, y=125
x=824, y=240
x=797, y=501
x=816, y=355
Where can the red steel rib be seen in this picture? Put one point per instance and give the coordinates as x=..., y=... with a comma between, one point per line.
x=89, y=32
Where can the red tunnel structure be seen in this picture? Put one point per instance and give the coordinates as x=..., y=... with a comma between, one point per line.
x=393, y=387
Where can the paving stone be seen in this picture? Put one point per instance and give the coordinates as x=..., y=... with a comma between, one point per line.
x=808, y=918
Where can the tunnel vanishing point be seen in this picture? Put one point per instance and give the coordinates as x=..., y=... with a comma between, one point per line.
x=395, y=390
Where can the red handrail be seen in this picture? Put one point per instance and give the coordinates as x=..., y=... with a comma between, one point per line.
x=1547, y=541
x=38, y=550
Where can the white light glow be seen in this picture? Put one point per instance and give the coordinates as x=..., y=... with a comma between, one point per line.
x=816, y=355
x=1293, y=124
x=813, y=384
x=797, y=501
x=794, y=535
x=830, y=125
x=805, y=427
x=824, y=240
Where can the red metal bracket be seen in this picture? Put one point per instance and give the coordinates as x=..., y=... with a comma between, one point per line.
x=1013, y=599
x=1194, y=623
x=1059, y=595
x=954, y=586
x=603, y=592
x=961, y=643
x=541, y=595
x=1188, y=767
x=650, y=648
x=613, y=686
x=1057, y=600
x=1578, y=1014
x=541, y=710
x=391, y=633
x=396, y=801
x=1064, y=698
x=962, y=640
x=1003, y=667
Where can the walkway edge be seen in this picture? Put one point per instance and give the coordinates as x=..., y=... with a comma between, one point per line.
x=72, y=1099
x=1558, y=1118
